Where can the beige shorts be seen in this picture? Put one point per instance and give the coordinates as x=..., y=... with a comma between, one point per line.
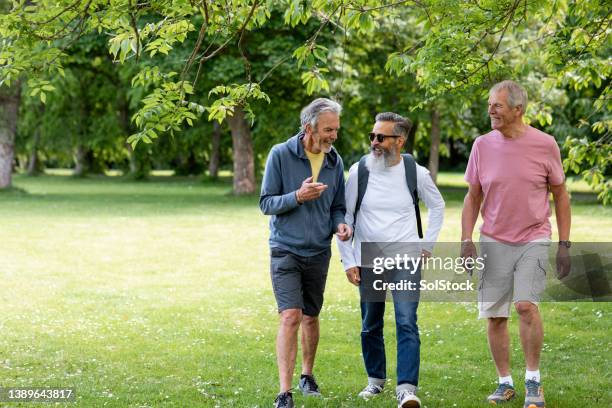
x=512, y=273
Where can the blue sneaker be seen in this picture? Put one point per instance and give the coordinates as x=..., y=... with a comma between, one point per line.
x=504, y=393
x=284, y=400
x=370, y=391
x=309, y=386
x=534, y=395
x=407, y=399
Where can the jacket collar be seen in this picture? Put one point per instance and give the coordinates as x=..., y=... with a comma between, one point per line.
x=297, y=148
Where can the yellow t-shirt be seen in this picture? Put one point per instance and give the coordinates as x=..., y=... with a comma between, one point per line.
x=316, y=161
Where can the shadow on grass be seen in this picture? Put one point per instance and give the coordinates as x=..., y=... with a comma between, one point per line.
x=154, y=196
x=13, y=190
x=123, y=196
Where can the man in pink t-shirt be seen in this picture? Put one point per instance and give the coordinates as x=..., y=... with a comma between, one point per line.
x=510, y=172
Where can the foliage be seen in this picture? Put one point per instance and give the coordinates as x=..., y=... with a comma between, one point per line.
x=596, y=157
x=447, y=52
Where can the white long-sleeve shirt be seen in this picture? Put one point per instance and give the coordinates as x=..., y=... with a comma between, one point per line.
x=387, y=211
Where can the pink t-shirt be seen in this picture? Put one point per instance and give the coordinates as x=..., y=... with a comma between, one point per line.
x=514, y=175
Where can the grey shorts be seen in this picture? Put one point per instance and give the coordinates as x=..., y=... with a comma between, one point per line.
x=512, y=273
x=298, y=281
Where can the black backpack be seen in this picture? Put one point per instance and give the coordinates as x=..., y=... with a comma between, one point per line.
x=363, y=174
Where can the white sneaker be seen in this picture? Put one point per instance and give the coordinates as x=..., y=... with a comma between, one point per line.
x=370, y=391
x=407, y=399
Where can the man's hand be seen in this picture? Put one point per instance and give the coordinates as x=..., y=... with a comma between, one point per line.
x=353, y=275
x=309, y=190
x=468, y=250
x=344, y=232
x=564, y=262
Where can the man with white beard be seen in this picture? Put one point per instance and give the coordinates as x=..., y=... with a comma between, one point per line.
x=386, y=212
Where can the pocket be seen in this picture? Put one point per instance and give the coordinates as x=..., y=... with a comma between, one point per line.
x=538, y=285
x=542, y=265
x=480, y=290
x=278, y=253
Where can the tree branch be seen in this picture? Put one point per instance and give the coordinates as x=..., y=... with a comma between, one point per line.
x=595, y=34
x=501, y=37
x=205, y=58
x=196, y=49
x=69, y=7
x=60, y=33
x=247, y=65
x=135, y=27
x=278, y=64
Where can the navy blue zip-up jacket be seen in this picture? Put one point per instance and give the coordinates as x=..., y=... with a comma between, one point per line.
x=306, y=229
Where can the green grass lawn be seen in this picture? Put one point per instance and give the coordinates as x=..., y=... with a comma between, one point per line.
x=158, y=294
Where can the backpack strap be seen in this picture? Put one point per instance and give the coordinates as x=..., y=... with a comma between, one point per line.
x=363, y=174
x=411, y=180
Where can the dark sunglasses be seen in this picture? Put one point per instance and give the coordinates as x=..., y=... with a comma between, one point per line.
x=380, y=137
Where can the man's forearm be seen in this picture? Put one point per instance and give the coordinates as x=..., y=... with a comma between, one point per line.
x=469, y=215
x=278, y=204
x=563, y=213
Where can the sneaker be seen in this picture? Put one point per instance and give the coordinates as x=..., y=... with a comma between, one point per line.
x=309, y=386
x=370, y=391
x=504, y=393
x=284, y=400
x=534, y=395
x=408, y=399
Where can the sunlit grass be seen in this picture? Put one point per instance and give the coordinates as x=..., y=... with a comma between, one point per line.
x=158, y=294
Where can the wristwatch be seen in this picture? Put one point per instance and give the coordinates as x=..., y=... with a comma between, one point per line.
x=566, y=244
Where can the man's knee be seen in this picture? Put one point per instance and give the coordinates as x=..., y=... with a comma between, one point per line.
x=310, y=321
x=407, y=323
x=497, y=323
x=291, y=318
x=526, y=309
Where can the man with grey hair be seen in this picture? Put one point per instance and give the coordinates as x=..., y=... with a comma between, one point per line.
x=382, y=206
x=303, y=191
x=510, y=173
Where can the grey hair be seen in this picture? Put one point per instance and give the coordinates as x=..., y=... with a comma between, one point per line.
x=310, y=114
x=517, y=95
x=402, y=125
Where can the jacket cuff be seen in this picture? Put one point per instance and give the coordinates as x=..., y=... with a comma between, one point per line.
x=338, y=219
x=348, y=264
x=291, y=200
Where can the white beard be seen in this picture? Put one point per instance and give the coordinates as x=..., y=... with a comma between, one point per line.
x=375, y=164
x=380, y=163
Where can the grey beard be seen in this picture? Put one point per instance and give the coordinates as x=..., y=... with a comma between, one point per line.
x=375, y=164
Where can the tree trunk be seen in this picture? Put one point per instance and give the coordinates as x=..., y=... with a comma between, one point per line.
x=133, y=162
x=9, y=109
x=34, y=166
x=80, y=166
x=412, y=137
x=94, y=164
x=242, y=145
x=213, y=166
x=139, y=161
x=434, y=149
x=124, y=121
